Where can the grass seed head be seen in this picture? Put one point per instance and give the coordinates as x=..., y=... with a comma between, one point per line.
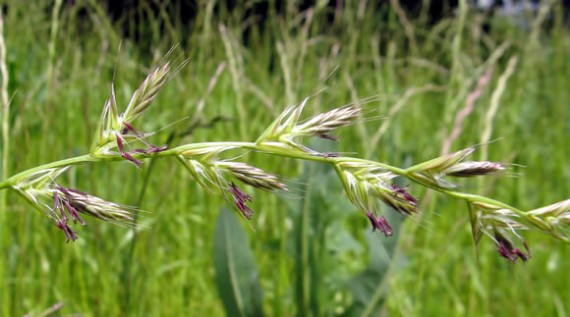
x=207, y=175
x=62, y=204
x=78, y=201
x=363, y=183
x=499, y=223
x=286, y=128
x=554, y=219
x=470, y=169
x=560, y=209
x=240, y=200
x=442, y=163
x=324, y=123
x=432, y=172
x=252, y=175
x=114, y=129
x=506, y=248
x=399, y=199
x=109, y=123
x=146, y=93
x=380, y=223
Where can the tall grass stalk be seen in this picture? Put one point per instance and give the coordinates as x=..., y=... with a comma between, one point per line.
x=5, y=111
x=494, y=107
x=54, y=29
x=5, y=141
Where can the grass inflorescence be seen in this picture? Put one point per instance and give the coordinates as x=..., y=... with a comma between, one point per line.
x=444, y=86
x=366, y=182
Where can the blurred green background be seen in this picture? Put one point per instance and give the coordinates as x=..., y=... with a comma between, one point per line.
x=307, y=252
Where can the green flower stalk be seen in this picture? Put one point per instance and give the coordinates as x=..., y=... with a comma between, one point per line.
x=368, y=184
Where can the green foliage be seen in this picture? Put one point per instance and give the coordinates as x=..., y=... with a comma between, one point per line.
x=369, y=288
x=326, y=283
x=237, y=278
x=321, y=240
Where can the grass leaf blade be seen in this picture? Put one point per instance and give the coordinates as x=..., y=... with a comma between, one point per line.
x=237, y=278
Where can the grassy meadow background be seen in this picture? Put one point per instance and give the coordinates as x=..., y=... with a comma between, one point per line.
x=309, y=252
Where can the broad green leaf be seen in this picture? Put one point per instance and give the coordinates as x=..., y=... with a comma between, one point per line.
x=317, y=250
x=237, y=278
x=368, y=287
